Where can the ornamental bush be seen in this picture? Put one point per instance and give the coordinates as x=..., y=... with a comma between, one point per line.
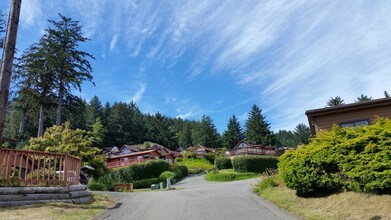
x=223, y=163
x=168, y=174
x=257, y=164
x=357, y=159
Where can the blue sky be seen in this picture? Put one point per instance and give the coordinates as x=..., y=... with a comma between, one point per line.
x=188, y=58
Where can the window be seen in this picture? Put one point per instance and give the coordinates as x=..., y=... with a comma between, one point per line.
x=354, y=123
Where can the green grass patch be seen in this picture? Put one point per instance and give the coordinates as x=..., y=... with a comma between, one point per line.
x=229, y=175
x=196, y=165
x=60, y=211
x=345, y=205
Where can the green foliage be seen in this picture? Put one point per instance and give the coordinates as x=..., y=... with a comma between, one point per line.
x=205, y=133
x=96, y=186
x=302, y=134
x=98, y=132
x=150, y=169
x=269, y=179
x=223, y=163
x=196, y=165
x=234, y=133
x=335, y=101
x=180, y=171
x=210, y=157
x=257, y=129
x=257, y=164
x=362, y=98
x=168, y=174
x=133, y=173
x=344, y=158
x=146, y=183
x=228, y=175
x=62, y=139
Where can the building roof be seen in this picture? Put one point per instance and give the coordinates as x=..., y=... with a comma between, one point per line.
x=136, y=153
x=348, y=107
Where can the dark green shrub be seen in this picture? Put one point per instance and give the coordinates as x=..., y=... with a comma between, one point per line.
x=180, y=171
x=96, y=186
x=136, y=172
x=257, y=164
x=146, y=183
x=223, y=163
x=226, y=177
x=168, y=174
x=357, y=158
x=147, y=170
x=210, y=157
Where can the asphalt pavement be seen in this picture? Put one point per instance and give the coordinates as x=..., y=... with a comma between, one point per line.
x=196, y=199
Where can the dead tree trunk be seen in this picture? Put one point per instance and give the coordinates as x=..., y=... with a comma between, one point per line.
x=40, y=121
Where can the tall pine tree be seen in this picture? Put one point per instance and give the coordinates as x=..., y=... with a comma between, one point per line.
x=70, y=65
x=257, y=128
x=205, y=133
x=234, y=133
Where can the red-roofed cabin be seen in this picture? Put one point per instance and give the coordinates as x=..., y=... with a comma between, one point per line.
x=132, y=158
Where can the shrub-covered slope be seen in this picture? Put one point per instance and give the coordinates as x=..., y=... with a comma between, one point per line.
x=357, y=159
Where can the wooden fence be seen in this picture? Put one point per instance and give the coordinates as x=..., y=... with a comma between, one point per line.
x=27, y=167
x=256, y=151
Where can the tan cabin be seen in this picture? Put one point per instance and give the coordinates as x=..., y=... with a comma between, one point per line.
x=348, y=115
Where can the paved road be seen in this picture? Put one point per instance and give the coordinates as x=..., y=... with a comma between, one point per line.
x=196, y=199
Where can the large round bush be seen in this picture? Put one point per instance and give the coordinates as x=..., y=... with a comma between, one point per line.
x=223, y=163
x=357, y=158
x=256, y=164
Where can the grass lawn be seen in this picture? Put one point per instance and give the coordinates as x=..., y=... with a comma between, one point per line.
x=346, y=205
x=196, y=165
x=229, y=175
x=59, y=210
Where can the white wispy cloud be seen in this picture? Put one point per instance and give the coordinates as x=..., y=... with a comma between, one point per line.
x=186, y=115
x=113, y=42
x=139, y=93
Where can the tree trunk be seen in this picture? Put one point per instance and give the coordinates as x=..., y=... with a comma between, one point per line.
x=22, y=122
x=40, y=121
x=8, y=58
x=59, y=104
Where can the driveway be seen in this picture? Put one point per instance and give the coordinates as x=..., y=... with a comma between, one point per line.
x=195, y=198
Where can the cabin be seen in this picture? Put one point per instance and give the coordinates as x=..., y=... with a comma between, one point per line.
x=129, y=155
x=200, y=150
x=124, y=160
x=244, y=148
x=348, y=115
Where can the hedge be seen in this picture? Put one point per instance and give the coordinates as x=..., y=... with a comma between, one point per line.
x=358, y=159
x=136, y=172
x=226, y=177
x=96, y=186
x=223, y=163
x=146, y=183
x=256, y=164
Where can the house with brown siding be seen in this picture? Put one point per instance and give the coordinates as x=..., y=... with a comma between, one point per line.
x=244, y=148
x=348, y=115
x=129, y=155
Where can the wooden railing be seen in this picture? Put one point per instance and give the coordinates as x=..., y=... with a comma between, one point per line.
x=26, y=167
x=256, y=151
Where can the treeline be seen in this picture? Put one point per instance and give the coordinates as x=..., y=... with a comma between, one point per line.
x=46, y=74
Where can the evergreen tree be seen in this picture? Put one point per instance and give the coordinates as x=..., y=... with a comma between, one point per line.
x=160, y=132
x=234, y=133
x=98, y=133
x=70, y=65
x=302, y=134
x=94, y=111
x=286, y=138
x=185, y=139
x=362, y=98
x=335, y=101
x=205, y=133
x=257, y=129
x=34, y=80
x=386, y=94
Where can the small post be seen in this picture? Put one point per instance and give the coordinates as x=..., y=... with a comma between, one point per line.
x=168, y=183
x=161, y=185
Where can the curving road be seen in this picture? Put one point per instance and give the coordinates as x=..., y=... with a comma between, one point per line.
x=196, y=199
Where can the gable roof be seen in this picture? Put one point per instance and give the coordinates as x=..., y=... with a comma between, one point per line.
x=351, y=106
